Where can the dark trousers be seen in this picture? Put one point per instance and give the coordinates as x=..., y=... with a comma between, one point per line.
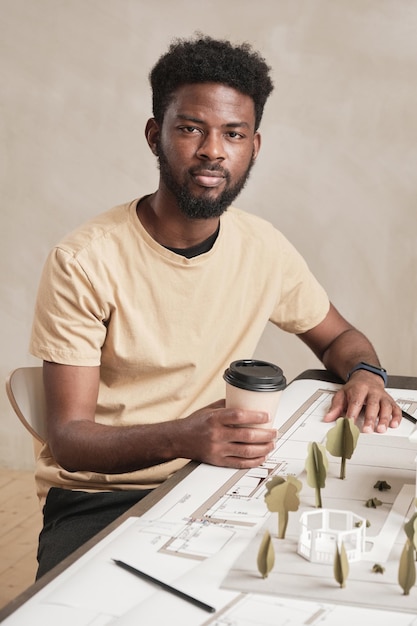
x=70, y=518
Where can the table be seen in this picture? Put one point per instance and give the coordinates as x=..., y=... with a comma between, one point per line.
x=152, y=499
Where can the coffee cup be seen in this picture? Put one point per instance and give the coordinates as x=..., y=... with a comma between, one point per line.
x=254, y=385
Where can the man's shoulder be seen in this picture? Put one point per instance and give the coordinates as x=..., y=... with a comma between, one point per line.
x=97, y=229
x=250, y=223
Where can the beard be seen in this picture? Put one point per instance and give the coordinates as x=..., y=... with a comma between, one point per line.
x=200, y=207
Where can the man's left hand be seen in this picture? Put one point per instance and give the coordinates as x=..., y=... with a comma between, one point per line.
x=365, y=392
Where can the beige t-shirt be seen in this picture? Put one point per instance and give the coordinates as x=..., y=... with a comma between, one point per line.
x=163, y=328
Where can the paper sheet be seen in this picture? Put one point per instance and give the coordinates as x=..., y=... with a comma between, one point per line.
x=193, y=535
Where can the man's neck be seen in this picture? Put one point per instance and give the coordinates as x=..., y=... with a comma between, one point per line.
x=167, y=225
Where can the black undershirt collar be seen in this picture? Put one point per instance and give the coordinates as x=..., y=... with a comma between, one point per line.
x=200, y=248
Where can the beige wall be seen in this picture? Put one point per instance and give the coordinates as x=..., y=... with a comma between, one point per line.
x=337, y=172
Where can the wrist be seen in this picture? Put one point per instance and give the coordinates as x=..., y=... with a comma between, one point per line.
x=373, y=369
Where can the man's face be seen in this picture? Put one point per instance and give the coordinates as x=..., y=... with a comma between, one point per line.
x=206, y=147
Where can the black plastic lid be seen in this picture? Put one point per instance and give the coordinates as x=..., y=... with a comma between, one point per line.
x=255, y=375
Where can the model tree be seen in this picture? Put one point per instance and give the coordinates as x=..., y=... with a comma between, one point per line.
x=266, y=555
x=341, y=441
x=407, y=568
x=341, y=565
x=316, y=468
x=410, y=528
x=282, y=497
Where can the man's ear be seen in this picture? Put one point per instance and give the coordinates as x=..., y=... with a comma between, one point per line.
x=256, y=145
x=152, y=134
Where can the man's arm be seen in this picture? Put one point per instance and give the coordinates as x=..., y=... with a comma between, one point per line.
x=213, y=434
x=340, y=347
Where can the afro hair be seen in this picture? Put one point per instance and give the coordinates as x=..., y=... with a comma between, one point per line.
x=203, y=60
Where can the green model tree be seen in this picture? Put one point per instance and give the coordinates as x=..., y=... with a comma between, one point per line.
x=266, y=555
x=341, y=441
x=341, y=565
x=407, y=568
x=282, y=497
x=410, y=528
x=316, y=468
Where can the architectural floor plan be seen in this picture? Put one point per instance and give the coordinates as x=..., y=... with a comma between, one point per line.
x=203, y=537
x=390, y=457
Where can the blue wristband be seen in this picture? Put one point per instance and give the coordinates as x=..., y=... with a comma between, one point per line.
x=374, y=369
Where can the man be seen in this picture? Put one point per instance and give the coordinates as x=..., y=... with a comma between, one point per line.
x=140, y=311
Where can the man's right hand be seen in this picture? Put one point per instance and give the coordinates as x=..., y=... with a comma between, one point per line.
x=213, y=434
x=227, y=437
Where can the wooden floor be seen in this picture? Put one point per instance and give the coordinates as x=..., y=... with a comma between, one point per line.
x=20, y=524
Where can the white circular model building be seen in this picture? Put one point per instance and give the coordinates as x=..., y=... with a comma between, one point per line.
x=323, y=529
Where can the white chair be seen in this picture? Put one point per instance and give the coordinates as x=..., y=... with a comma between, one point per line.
x=24, y=387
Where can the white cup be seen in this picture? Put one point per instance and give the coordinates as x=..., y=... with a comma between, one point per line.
x=254, y=385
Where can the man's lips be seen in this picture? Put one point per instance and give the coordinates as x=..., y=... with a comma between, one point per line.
x=208, y=178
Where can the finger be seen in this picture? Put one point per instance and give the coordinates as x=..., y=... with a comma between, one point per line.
x=396, y=415
x=389, y=415
x=337, y=406
x=242, y=417
x=241, y=464
x=375, y=419
x=253, y=436
x=355, y=403
x=249, y=452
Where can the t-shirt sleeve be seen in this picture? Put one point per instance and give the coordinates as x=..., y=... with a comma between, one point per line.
x=69, y=325
x=303, y=303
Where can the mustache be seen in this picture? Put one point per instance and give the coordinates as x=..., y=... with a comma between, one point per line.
x=214, y=167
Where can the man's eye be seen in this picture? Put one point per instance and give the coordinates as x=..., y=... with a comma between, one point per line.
x=234, y=135
x=189, y=129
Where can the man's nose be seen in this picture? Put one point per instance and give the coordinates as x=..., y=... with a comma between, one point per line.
x=211, y=147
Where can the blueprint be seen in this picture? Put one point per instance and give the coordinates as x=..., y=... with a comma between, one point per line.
x=270, y=610
x=203, y=536
x=390, y=457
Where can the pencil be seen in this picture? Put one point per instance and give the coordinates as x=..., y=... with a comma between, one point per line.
x=173, y=590
x=409, y=417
